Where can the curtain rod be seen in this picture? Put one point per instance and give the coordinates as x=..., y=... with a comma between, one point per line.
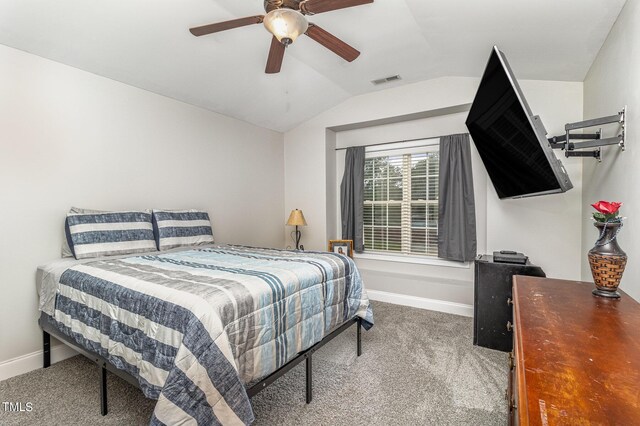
x=389, y=143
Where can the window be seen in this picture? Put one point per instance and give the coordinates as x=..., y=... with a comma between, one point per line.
x=401, y=201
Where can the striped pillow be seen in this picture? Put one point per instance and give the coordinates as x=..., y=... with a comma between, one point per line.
x=181, y=228
x=66, y=250
x=109, y=233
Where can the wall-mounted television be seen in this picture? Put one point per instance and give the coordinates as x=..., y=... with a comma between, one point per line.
x=512, y=142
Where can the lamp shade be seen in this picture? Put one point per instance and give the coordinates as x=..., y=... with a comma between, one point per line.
x=296, y=218
x=286, y=24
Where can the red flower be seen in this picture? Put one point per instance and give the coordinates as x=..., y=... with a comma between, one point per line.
x=606, y=207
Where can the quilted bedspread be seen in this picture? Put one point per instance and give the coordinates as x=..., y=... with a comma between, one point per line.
x=194, y=327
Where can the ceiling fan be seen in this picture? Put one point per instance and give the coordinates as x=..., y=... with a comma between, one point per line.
x=286, y=20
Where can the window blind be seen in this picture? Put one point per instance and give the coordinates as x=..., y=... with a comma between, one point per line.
x=401, y=201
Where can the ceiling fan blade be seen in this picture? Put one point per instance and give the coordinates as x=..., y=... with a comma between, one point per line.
x=227, y=25
x=319, y=6
x=332, y=43
x=276, y=55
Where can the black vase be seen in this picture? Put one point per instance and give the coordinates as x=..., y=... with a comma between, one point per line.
x=607, y=260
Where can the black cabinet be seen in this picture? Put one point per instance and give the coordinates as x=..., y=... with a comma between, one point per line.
x=492, y=291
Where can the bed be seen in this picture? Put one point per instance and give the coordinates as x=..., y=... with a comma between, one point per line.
x=202, y=329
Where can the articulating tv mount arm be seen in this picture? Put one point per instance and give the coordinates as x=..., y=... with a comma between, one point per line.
x=589, y=140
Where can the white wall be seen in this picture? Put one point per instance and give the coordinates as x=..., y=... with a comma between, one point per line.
x=613, y=82
x=545, y=228
x=71, y=138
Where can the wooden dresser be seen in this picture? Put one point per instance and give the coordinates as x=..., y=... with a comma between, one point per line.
x=576, y=357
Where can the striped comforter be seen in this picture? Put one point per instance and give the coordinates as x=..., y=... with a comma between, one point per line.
x=195, y=326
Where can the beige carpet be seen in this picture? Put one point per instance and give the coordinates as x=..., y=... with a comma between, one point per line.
x=418, y=368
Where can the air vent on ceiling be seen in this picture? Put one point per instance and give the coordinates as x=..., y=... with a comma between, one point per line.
x=386, y=80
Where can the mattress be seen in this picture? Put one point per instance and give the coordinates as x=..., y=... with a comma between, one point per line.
x=193, y=327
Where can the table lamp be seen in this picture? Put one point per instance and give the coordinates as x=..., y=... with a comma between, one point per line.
x=296, y=218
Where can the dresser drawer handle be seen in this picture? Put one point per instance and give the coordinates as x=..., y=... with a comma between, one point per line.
x=509, y=326
x=509, y=301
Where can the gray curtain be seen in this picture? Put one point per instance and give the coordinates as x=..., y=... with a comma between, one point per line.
x=457, y=211
x=352, y=197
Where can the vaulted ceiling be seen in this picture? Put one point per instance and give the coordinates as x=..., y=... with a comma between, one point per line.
x=147, y=44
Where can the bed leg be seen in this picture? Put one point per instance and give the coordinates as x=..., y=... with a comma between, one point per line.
x=309, y=379
x=359, y=337
x=103, y=390
x=46, y=349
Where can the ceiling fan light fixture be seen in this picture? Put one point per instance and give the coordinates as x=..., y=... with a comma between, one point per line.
x=286, y=24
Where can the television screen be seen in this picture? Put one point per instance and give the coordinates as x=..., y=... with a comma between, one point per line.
x=511, y=141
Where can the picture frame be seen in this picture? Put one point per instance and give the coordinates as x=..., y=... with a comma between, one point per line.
x=342, y=247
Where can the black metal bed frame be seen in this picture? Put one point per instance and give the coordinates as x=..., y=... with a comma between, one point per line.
x=49, y=330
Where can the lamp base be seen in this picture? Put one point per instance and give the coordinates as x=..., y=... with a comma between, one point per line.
x=298, y=236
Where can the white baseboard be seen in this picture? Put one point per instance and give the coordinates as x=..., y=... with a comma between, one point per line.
x=33, y=361
x=422, y=302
